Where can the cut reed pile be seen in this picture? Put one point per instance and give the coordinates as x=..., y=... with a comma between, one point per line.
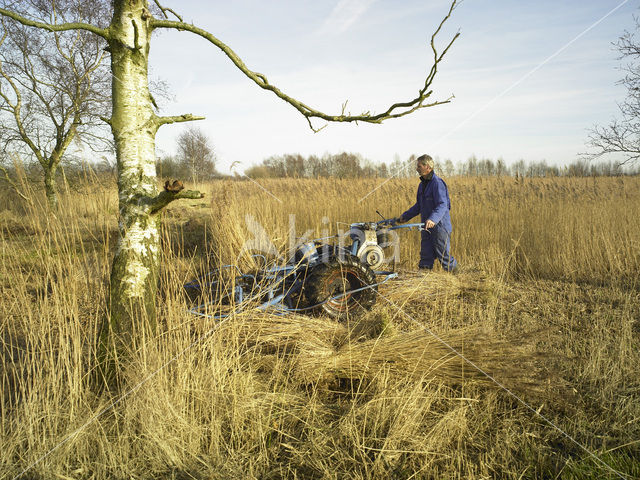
x=325, y=353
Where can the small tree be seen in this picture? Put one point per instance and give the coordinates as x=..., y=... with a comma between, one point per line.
x=382, y=170
x=345, y=165
x=519, y=168
x=53, y=92
x=470, y=167
x=501, y=167
x=622, y=136
x=448, y=169
x=294, y=165
x=196, y=155
x=486, y=167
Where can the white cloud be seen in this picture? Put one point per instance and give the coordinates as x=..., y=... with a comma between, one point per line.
x=343, y=15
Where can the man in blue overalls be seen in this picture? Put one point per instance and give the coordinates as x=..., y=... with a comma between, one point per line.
x=433, y=205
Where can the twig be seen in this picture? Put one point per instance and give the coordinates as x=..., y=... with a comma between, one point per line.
x=13, y=184
x=164, y=11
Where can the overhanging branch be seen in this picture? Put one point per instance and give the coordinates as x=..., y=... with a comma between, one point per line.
x=54, y=27
x=396, y=110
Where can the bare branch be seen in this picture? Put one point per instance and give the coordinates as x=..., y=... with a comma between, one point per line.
x=164, y=11
x=165, y=198
x=315, y=130
x=187, y=117
x=16, y=111
x=104, y=33
x=396, y=110
x=13, y=184
x=622, y=136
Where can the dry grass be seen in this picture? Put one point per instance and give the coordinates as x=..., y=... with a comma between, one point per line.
x=548, y=306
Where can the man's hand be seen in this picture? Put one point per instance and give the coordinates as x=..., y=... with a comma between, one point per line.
x=398, y=220
x=429, y=224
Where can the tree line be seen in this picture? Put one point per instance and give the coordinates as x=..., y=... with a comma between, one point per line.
x=199, y=165
x=354, y=165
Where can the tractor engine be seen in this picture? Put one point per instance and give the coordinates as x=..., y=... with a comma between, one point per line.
x=369, y=240
x=368, y=243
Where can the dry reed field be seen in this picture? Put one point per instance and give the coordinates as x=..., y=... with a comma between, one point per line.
x=525, y=365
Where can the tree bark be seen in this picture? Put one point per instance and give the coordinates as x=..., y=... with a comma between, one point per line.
x=135, y=265
x=50, y=188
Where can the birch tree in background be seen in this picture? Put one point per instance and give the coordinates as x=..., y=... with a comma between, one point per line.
x=196, y=154
x=622, y=135
x=54, y=87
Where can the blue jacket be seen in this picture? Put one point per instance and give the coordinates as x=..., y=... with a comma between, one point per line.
x=432, y=203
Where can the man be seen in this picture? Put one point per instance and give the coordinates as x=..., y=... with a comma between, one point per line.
x=433, y=204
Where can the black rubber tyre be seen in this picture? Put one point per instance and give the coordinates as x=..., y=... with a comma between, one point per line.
x=323, y=251
x=338, y=276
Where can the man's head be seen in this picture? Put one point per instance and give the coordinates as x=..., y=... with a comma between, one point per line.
x=424, y=165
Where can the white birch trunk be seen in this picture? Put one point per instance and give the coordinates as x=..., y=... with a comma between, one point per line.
x=135, y=265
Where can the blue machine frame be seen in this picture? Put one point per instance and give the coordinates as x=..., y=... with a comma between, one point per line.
x=276, y=284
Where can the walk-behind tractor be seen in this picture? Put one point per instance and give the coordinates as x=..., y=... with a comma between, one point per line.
x=321, y=276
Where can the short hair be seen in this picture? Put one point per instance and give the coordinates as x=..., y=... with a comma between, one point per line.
x=425, y=160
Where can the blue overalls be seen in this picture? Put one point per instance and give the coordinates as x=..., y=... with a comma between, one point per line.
x=433, y=204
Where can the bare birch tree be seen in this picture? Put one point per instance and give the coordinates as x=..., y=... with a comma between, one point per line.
x=54, y=88
x=196, y=154
x=134, y=125
x=622, y=135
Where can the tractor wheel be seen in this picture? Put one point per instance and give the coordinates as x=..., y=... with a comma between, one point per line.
x=337, y=278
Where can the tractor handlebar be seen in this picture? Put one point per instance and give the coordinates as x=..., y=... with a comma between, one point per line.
x=393, y=225
x=388, y=223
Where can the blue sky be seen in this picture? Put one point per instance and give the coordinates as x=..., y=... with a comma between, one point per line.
x=375, y=52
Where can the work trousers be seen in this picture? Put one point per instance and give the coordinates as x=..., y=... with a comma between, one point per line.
x=435, y=244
